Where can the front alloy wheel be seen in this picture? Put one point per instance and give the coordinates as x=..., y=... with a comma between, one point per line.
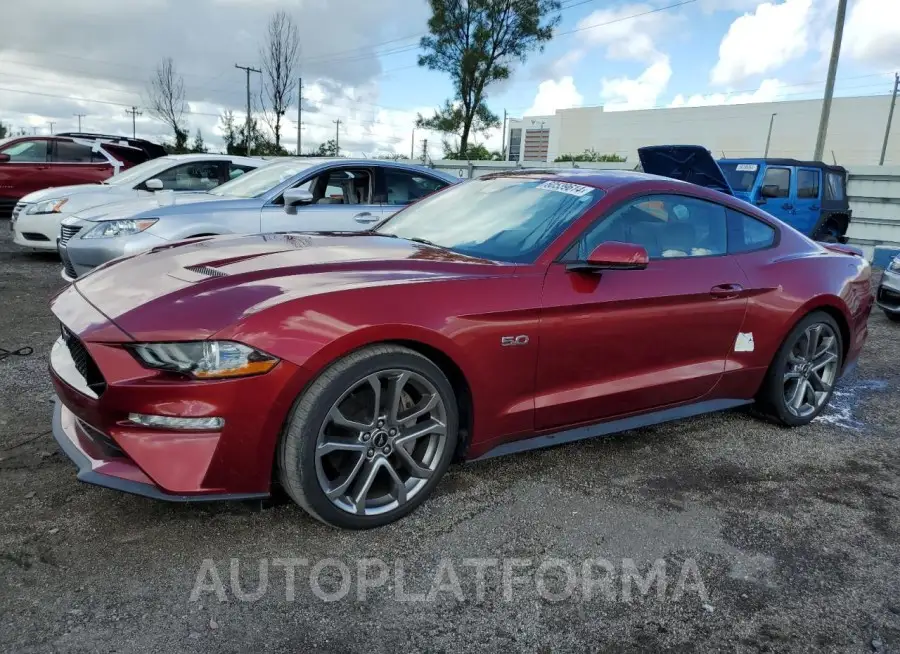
x=381, y=442
x=370, y=438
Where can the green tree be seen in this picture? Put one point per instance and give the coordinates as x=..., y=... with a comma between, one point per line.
x=198, y=145
x=327, y=149
x=474, y=153
x=475, y=42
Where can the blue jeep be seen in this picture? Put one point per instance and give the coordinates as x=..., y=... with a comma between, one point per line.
x=810, y=196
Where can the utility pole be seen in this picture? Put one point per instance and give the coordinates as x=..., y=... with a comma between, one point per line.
x=52, y=123
x=299, y=113
x=134, y=114
x=337, y=137
x=424, y=151
x=79, y=117
x=504, y=135
x=34, y=131
x=412, y=146
x=829, y=84
x=769, y=137
x=248, y=70
x=887, y=130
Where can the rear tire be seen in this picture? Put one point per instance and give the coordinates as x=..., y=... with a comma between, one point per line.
x=802, y=376
x=369, y=440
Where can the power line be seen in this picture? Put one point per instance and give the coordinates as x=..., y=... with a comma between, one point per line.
x=79, y=117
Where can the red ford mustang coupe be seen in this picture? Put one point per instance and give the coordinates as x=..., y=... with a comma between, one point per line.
x=506, y=313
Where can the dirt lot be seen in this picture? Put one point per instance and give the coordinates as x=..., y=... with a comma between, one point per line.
x=793, y=536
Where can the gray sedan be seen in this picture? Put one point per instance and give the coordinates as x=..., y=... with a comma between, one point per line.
x=293, y=195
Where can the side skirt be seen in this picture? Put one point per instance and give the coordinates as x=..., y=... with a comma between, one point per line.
x=612, y=427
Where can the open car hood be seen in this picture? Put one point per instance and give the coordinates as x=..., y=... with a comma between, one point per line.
x=688, y=163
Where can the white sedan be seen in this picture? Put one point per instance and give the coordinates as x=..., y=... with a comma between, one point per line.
x=36, y=218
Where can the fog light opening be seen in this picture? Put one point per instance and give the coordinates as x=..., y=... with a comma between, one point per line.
x=177, y=423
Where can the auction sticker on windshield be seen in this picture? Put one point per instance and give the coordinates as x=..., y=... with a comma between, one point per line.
x=746, y=168
x=577, y=190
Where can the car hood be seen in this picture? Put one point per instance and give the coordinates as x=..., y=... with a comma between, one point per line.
x=688, y=163
x=159, y=204
x=192, y=289
x=85, y=196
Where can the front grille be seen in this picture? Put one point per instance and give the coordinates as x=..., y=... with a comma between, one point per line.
x=34, y=236
x=207, y=270
x=84, y=363
x=69, y=268
x=66, y=232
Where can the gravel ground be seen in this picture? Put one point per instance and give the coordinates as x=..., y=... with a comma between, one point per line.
x=770, y=539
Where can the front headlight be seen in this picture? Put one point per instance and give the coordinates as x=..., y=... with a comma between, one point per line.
x=46, y=206
x=895, y=264
x=205, y=359
x=114, y=228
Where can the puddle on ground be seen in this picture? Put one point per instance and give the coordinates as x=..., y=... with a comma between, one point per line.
x=841, y=408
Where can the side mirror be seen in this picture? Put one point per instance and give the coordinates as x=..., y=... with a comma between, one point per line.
x=154, y=184
x=294, y=198
x=613, y=255
x=4, y=158
x=769, y=191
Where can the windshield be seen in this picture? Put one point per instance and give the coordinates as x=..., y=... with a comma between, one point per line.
x=741, y=176
x=504, y=219
x=261, y=180
x=141, y=173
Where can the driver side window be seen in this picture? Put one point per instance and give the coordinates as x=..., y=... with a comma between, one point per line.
x=667, y=226
x=33, y=151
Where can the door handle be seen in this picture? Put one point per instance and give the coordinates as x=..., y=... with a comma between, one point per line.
x=726, y=291
x=365, y=217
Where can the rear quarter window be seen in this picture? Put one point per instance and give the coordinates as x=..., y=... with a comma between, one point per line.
x=747, y=234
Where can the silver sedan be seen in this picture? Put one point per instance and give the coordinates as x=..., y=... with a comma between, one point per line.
x=286, y=196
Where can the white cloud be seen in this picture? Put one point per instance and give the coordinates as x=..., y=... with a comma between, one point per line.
x=624, y=93
x=553, y=95
x=768, y=91
x=625, y=37
x=710, y=6
x=96, y=54
x=763, y=41
x=872, y=32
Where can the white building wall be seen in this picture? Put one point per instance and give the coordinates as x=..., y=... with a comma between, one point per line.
x=855, y=134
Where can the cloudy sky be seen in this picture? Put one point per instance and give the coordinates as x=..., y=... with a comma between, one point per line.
x=59, y=58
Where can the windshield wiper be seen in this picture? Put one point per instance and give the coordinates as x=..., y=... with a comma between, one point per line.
x=423, y=241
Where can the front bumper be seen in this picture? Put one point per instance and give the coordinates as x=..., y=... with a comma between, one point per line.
x=888, y=295
x=92, y=427
x=38, y=231
x=81, y=255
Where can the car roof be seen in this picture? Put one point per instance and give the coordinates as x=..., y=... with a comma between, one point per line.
x=206, y=156
x=769, y=161
x=602, y=179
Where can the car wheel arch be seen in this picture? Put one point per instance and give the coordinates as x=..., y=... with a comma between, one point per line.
x=833, y=307
x=438, y=348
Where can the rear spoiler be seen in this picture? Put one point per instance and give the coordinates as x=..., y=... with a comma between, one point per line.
x=841, y=248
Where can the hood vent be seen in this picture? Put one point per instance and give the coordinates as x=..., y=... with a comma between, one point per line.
x=209, y=271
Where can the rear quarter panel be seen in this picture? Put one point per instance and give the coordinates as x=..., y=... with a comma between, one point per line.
x=792, y=280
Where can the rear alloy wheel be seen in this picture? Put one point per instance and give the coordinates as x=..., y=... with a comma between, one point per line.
x=369, y=440
x=801, y=379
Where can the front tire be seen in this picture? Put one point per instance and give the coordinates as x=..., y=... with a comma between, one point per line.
x=369, y=440
x=801, y=378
